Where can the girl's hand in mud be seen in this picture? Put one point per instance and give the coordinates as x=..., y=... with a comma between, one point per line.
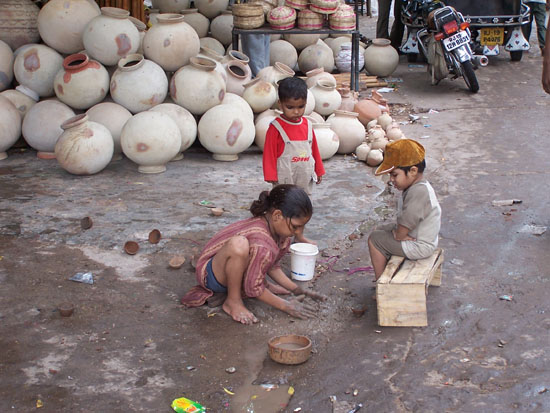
x=311, y=294
x=296, y=308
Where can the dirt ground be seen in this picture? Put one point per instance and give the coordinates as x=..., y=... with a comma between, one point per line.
x=130, y=345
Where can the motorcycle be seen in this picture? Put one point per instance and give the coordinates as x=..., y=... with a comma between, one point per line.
x=444, y=39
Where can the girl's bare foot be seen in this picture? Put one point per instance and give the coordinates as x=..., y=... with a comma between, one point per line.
x=239, y=312
x=277, y=289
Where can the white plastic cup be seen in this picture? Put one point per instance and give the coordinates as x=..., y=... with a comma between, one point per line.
x=302, y=261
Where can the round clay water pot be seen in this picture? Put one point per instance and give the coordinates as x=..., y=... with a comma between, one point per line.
x=113, y=116
x=283, y=52
x=310, y=103
x=315, y=117
x=151, y=139
x=22, y=97
x=172, y=6
x=211, y=8
x=198, y=87
x=384, y=120
x=111, y=36
x=82, y=82
x=138, y=84
x=313, y=76
x=376, y=133
x=221, y=28
x=142, y=29
x=301, y=41
x=269, y=112
x=375, y=157
x=171, y=43
x=6, y=65
x=61, y=23
x=84, y=147
x=212, y=44
x=381, y=59
x=393, y=132
x=186, y=123
x=238, y=74
x=343, y=59
x=260, y=95
x=349, y=99
x=19, y=22
x=197, y=21
x=218, y=58
x=225, y=132
x=368, y=110
x=315, y=56
x=36, y=67
x=327, y=98
x=261, y=126
x=275, y=73
x=42, y=126
x=327, y=140
x=10, y=125
x=238, y=101
x=362, y=151
x=371, y=124
x=348, y=128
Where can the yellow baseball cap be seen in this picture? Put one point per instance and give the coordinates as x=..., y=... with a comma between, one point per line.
x=401, y=153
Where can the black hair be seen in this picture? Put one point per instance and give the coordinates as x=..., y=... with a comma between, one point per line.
x=292, y=88
x=421, y=166
x=291, y=200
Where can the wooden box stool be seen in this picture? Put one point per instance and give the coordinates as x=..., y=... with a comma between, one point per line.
x=402, y=288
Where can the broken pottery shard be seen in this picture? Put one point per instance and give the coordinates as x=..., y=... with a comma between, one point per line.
x=533, y=229
x=506, y=202
x=83, y=277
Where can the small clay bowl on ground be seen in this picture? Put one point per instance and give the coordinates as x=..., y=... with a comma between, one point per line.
x=65, y=309
x=176, y=262
x=131, y=247
x=86, y=223
x=154, y=236
x=216, y=211
x=289, y=349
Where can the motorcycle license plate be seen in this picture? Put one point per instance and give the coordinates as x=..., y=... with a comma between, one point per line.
x=456, y=40
x=491, y=36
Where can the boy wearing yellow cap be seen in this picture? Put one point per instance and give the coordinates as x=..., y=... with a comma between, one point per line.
x=415, y=235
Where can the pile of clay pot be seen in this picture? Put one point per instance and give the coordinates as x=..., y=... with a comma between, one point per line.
x=102, y=84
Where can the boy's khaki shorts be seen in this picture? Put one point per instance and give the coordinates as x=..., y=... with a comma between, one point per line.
x=383, y=241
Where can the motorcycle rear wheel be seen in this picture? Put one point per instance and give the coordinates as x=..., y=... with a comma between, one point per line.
x=469, y=76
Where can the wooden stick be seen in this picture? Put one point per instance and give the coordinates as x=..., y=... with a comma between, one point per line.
x=141, y=11
x=126, y=5
x=135, y=9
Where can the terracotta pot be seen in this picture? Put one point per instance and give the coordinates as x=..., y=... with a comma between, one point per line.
x=111, y=36
x=197, y=21
x=6, y=66
x=238, y=74
x=282, y=51
x=150, y=139
x=372, y=124
x=198, y=87
x=274, y=73
x=113, y=116
x=221, y=28
x=349, y=99
x=382, y=103
x=235, y=55
x=301, y=41
x=219, y=59
x=313, y=76
x=238, y=101
x=362, y=152
x=61, y=23
x=310, y=103
x=171, y=42
x=84, y=147
x=225, y=132
x=10, y=129
x=19, y=22
x=379, y=143
x=82, y=82
x=315, y=56
x=134, y=71
x=211, y=8
x=260, y=95
x=327, y=98
x=348, y=128
x=327, y=140
x=375, y=157
x=384, y=120
x=368, y=110
x=36, y=67
x=393, y=132
x=22, y=97
x=42, y=126
x=184, y=120
x=262, y=125
x=376, y=133
x=212, y=44
x=172, y=6
x=381, y=59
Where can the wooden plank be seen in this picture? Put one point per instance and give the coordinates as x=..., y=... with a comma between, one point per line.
x=401, y=305
x=408, y=267
x=425, y=268
x=392, y=267
x=435, y=277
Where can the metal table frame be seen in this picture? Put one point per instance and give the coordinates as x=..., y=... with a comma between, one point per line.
x=354, y=78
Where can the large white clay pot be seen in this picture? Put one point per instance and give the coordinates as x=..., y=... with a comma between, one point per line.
x=316, y=55
x=84, y=147
x=350, y=131
x=36, y=67
x=381, y=59
x=218, y=58
x=6, y=65
x=224, y=131
x=238, y=74
x=113, y=116
x=22, y=97
x=282, y=51
x=310, y=103
x=260, y=95
x=197, y=21
x=269, y=113
x=138, y=84
x=327, y=98
x=314, y=117
x=142, y=29
x=42, y=126
x=221, y=28
x=82, y=82
x=301, y=41
x=172, y=6
x=211, y=8
x=197, y=87
x=61, y=23
x=275, y=73
x=212, y=44
x=171, y=42
x=10, y=125
x=313, y=76
x=19, y=22
x=327, y=140
x=261, y=126
x=238, y=101
x=151, y=139
x=111, y=36
x=186, y=123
